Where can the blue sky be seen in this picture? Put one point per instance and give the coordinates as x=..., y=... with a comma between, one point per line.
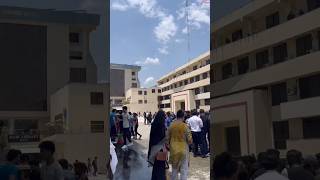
x=152, y=34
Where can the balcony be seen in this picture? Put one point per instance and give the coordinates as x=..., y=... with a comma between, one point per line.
x=278, y=72
x=249, y=8
x=297, y=109
x=193, y=85
x=188, y=75
x=268, y=37
x=205, y=95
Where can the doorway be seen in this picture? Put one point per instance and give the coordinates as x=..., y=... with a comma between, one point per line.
x=233, y=140
x=183, y=105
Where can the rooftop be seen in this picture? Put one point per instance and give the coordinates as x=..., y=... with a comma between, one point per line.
x=76, y=17
x=201, y=57
x=124, y=66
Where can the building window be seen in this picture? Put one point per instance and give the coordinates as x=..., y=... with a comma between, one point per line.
x=311, y=127
x=97, y=126
x=272, y=20
x=78, y=75
x=167, y=105
x=280, y=53
x=145, y=92
x=133, y=73
x=309, y=86
x=197, y=91
x=74, y=37
x=197, y=78
x=243, y=65
x=171, y=86
x=204, y=75
x=180, y=83
x=75, y=55
x=133, y=79
x=207, y=102
x=208, y=62
x=140, y=102
x=280, y=134
x=195, y=67
x=159, y=90
x=313, y=4
x=304, y=45
x=96, y=98
x=237, y=35
x=161, y=106
x=153, y=91
x=279, y=94
x=226, y=71
x=139, y=92
x=145, y=101
x=192, y=80
x=25, y=126
x=197, y=104
x=134, y=85
x=206, y=88
x=262, y=59
x=186, y=82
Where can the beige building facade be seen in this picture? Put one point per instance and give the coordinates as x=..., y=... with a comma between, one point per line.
x=53, y=53
x=187, y=87
x=266, y=78
x=122, y=78
x=140, y=100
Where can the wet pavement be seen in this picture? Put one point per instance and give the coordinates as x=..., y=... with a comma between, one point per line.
x=133, y=163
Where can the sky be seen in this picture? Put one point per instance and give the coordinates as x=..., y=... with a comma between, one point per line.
x=153, y=34
x=98, y=45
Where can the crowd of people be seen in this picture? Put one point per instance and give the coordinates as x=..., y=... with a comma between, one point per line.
x=172, y=137
x=18, y=166
x=267, y=165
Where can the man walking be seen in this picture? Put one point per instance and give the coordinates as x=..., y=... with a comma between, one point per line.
x=195, y=124
x=204, y=130
x=113, y=130
x=126, y=127
x=50, y=169
x=95, y=166
x=145, y=117
x=179, y=138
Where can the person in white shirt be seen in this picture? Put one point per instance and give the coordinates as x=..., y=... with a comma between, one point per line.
x=195, y=124
x=126, y=127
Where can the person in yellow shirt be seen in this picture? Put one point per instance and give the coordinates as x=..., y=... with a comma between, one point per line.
x=179, y=139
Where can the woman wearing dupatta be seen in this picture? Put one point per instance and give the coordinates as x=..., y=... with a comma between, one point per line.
x=157, y=144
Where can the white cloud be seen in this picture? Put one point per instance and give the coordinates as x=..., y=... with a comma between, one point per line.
x=184, y=30
x=149, y=81
x=119, y=6
x=198, y=14
x=179, y=40
x=163, y=50
x=149, y=60
x=166, y=29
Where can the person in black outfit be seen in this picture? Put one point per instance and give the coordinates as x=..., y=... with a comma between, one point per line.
x=204, y=130
x=157, y=144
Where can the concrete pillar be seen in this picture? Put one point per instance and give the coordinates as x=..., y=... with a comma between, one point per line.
x=292, y=89
x=291, y=47
x=252, y=62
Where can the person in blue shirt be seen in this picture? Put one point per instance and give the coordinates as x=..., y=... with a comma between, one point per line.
x=168, y=120
x=9, y=169
x=113, y=131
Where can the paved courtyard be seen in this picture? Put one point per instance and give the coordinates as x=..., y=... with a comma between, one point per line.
x=133, y=165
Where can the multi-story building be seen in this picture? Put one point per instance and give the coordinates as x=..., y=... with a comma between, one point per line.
x=122, y=78
x=48, y=78
x=266, y=77
x=187, y=87
x=140, y=100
